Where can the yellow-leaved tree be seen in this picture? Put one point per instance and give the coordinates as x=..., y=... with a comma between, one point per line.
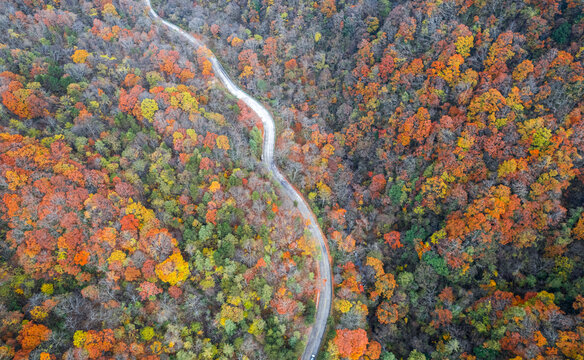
x=148, y=107
x=173, y=270
x=223, y=142
x=79, y=56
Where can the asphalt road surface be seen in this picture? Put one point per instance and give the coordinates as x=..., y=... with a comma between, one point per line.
x=325, y=296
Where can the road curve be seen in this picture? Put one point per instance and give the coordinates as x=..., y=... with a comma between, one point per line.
x=324, y=301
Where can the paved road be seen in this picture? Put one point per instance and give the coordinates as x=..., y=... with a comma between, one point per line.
x=325, y=297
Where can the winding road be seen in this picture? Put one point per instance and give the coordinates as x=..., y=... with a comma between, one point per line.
x=323, y=306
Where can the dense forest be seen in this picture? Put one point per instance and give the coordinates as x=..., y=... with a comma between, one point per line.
x=136, y=221
x=439, y=142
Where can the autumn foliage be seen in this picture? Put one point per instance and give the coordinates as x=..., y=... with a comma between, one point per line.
x=351, y=343
x=31, y=336
x=439, y=144
x=135, y=222
x=173, y=270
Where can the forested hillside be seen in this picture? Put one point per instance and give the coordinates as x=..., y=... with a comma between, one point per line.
x=440, y=143
x=135, y=219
